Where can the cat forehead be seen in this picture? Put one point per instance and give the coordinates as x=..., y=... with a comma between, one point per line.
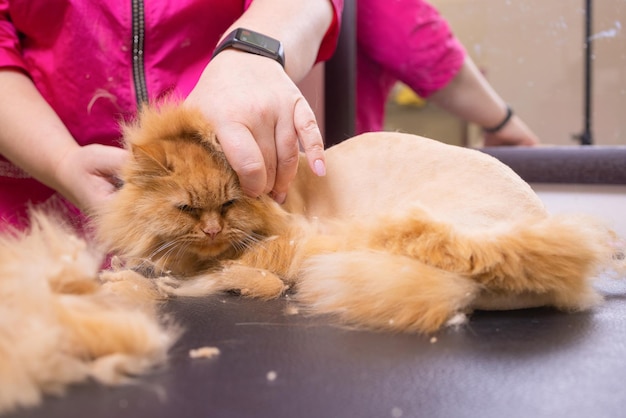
x=202, y=185
x=191, y=156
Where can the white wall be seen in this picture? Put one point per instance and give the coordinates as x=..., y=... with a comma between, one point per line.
x=606, y=202
x=532, y=52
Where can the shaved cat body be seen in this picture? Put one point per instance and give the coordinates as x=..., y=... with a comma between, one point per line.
x=403, y=233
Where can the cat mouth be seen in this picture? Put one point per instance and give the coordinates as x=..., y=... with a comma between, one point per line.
x=211, y=248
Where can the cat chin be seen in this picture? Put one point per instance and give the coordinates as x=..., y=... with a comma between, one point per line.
x=211, y=249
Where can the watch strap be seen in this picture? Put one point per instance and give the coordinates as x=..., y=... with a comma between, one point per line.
x=252, y=42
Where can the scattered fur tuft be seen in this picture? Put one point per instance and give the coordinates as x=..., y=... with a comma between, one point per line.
x=60, y=325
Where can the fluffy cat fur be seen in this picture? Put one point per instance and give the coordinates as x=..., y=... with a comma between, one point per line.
x=60, y=323
x=403, y=233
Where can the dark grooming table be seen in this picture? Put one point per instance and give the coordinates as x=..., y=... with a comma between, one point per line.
x=527, y=363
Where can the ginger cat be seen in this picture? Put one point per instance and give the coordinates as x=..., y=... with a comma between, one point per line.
x=403, y=233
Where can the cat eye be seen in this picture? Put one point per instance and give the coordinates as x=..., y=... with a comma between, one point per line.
x=227, y=205
x=188, y=209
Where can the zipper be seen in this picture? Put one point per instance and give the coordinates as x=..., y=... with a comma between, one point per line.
x=139, y=72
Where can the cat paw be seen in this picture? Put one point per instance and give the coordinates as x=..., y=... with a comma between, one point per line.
x=167, y=286
x=243, y=280
x=253, y=282
x=130, y=285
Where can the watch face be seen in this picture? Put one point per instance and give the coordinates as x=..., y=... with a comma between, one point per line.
x=262, y=41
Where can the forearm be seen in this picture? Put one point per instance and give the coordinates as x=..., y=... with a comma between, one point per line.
x=32, y=135
x=299, y=25
x=470, y=97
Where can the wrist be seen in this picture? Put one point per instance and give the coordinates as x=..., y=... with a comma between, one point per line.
x=507, y=118
x=254, y=43
x=59, y=176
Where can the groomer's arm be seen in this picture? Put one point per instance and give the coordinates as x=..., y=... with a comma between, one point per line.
x=257, y=111
x=35, y=139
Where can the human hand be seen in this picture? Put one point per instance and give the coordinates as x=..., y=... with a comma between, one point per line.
x=87, y=175
x=259, y=116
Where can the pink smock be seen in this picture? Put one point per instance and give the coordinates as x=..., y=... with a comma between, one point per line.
x=93, y=61
x=401, y=40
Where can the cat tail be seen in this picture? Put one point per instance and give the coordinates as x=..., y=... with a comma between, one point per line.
x=383, y=291
x=553, y=257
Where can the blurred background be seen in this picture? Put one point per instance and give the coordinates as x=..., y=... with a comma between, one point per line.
x=533, y=53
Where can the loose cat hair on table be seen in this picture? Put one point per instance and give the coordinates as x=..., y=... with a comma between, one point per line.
x=403, y=233
x=63, y=321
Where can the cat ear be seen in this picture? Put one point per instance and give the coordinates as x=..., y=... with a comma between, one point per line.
x=150, y=160
x=211, y=144
x=209, y=140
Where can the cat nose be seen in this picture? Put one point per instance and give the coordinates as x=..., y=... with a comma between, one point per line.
x=212, y=231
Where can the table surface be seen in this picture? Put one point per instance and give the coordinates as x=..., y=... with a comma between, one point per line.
x=526, y=363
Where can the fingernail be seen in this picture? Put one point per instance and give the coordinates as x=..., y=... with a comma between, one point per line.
x=320, y=168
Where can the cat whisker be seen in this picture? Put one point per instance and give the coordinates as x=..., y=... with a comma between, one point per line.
x=246, y=241
x=165, y=251
x=175, y=251
x=169, y=245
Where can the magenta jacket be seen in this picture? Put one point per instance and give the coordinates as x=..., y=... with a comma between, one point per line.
x=93, y=61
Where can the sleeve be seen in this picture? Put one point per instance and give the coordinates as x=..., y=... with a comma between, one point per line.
x=329, y=42
x=410, y=40
x=10, y=48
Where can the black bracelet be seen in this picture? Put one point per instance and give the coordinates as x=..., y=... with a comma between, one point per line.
x=507, y=118
x=254, y=43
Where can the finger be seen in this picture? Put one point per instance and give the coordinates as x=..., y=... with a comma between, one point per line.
x=287, y=153
x=111, y=160
x=265, y=139
x=310, y=137
x=245, y=157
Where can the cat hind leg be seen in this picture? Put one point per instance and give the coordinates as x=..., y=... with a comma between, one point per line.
x=554, y=257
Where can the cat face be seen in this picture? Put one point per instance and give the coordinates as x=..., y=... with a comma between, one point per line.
x=194, y=204
x=181, y=201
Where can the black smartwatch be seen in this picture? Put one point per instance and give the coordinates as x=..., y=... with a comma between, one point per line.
x=254, y=43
